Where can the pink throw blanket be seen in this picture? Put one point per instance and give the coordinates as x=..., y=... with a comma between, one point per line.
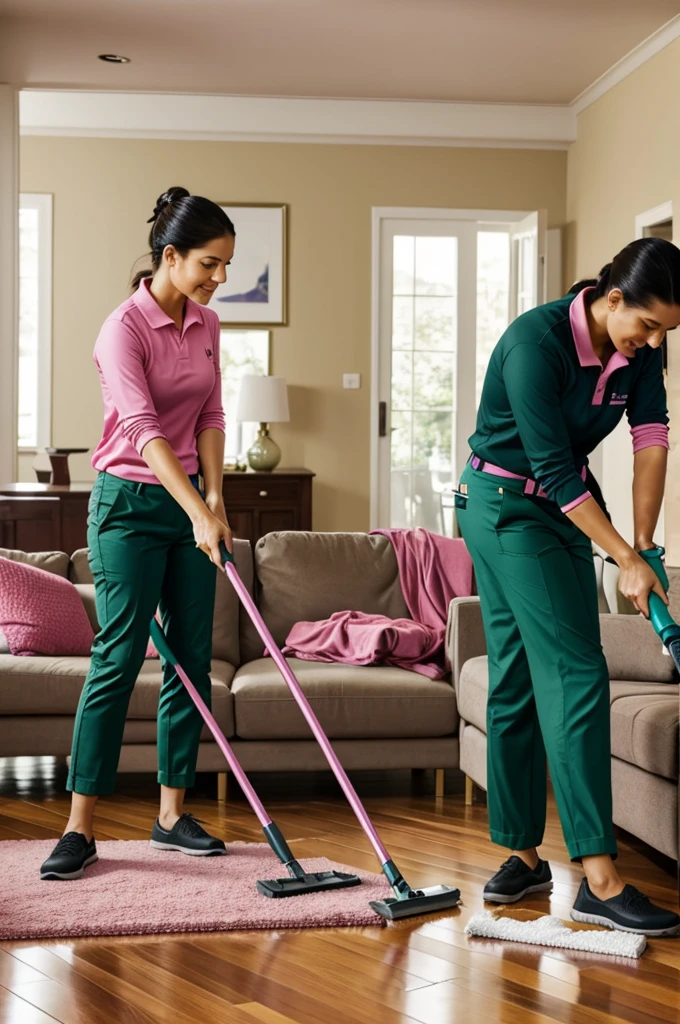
x=432, y=571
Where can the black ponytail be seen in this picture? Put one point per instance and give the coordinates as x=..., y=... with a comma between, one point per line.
x=185, y=222
x=645, y=270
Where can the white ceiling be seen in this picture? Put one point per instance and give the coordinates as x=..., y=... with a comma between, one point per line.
x=508, y=51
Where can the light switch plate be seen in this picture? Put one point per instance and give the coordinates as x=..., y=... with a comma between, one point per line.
x=351, y=380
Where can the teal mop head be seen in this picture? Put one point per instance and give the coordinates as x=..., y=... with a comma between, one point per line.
x=551, y=931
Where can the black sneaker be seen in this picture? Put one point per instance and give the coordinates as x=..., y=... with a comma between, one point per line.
x=69, y=858
x=630, y=911
x=187, y=836
x=515, y=880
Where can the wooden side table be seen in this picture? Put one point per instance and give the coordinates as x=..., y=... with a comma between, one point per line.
x=258, y=503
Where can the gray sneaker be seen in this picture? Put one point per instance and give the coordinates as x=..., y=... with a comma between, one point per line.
x=186, y=836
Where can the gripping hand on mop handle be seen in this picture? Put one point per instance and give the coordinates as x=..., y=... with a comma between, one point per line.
x=211, y=532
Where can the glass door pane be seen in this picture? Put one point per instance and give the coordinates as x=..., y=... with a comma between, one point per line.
x=493, y=296
x=423, y=378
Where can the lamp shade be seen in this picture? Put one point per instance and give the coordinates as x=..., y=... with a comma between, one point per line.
x=262, y=400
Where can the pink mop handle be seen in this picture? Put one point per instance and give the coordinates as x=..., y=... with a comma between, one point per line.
x=304, y=705
x=161, y=643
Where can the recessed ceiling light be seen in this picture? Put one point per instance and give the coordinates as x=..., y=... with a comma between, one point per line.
x=114, y=58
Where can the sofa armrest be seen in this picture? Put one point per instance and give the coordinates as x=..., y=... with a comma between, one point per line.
x=633, y=650
x=464, y=634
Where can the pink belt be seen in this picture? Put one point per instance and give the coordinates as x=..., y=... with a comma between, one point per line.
x=530, y=486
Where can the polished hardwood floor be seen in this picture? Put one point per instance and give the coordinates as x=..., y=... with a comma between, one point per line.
x=424, y=970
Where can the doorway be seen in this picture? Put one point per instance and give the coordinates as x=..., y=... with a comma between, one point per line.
x=446, y=284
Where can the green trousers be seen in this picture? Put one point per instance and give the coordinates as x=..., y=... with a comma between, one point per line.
x=548, y=679
x=143, y=557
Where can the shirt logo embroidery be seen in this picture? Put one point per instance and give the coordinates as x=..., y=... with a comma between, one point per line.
x=618, y=399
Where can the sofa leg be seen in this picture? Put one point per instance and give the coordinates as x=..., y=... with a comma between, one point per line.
x=221, y=787
x=469, y=791
x=439, y=782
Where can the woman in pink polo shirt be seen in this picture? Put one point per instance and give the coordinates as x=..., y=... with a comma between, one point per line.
x=153, y=534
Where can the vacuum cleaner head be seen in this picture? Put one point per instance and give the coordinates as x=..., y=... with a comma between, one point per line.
x=418, y=901
x=317, y=881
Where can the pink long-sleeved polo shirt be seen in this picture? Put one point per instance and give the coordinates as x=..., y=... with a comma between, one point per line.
x=157, y=381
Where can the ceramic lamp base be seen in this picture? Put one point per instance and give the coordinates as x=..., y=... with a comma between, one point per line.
x=264, y=454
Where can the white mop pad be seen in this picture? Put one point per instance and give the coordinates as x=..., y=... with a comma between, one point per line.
x=551, y=931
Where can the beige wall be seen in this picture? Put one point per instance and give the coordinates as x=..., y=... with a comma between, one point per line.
x=625, y=162
x=104, y=190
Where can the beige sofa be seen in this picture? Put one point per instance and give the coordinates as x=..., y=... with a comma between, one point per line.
x=645, y=712
x=377, y=717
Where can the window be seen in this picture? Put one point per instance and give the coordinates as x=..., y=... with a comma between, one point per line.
x=35, y=320
x=240, y=352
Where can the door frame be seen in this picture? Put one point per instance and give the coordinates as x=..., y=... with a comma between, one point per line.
x=378, y=215
x=664, y=211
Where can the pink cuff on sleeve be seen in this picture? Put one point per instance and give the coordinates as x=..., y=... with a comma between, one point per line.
x=577, y=502
x=650, y=435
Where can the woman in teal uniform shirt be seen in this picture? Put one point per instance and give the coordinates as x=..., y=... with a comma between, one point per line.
x=558, y=383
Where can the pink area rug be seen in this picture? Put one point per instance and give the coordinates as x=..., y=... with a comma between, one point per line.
x=134, y=890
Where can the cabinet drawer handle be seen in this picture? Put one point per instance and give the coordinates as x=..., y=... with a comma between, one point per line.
x=263, y=494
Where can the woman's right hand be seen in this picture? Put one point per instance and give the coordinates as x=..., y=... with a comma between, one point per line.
x=637, y=580
x=208, y=532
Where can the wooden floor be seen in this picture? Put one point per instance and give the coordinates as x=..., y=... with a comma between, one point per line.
x=423, y=970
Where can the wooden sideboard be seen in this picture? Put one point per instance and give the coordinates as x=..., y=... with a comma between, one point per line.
x=259, y=502
x=71, y=524
x=256, y=503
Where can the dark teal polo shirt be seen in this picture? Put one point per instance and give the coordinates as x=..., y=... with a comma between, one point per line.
x=547, y=403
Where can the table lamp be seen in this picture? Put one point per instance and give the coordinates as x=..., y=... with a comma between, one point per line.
x=263, y=400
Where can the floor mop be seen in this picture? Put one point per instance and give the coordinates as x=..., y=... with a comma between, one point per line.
x=300, y=881
x=406, y=902
x=552, y=931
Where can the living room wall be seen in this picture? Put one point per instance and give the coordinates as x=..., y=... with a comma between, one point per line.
x=625, y=162
x=104, y=191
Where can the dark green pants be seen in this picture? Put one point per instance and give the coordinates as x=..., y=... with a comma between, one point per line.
x=548, y=680
x=143, y=556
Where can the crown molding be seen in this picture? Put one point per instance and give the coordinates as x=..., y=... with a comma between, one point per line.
x=647, y=49
x=214, y=118
x=256, y=119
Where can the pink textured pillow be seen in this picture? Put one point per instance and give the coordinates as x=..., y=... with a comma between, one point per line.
x=41, y=613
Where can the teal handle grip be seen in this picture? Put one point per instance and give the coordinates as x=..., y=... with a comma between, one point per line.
x=659, y=615
x=225, y=555
x=158, y=637
x=654, y=557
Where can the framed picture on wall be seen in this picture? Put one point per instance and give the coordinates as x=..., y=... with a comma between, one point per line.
x=255, y=293
x=241, y=351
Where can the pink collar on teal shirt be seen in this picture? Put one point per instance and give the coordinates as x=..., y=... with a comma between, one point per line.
x=584, y=347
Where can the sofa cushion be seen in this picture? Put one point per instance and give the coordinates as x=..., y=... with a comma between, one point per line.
x=308, y=576
x=352, y=702
x=644, y=717
x=51, y=561
x=43, y=686
x=41, y=612
x=226, y=615
x=633, y=650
